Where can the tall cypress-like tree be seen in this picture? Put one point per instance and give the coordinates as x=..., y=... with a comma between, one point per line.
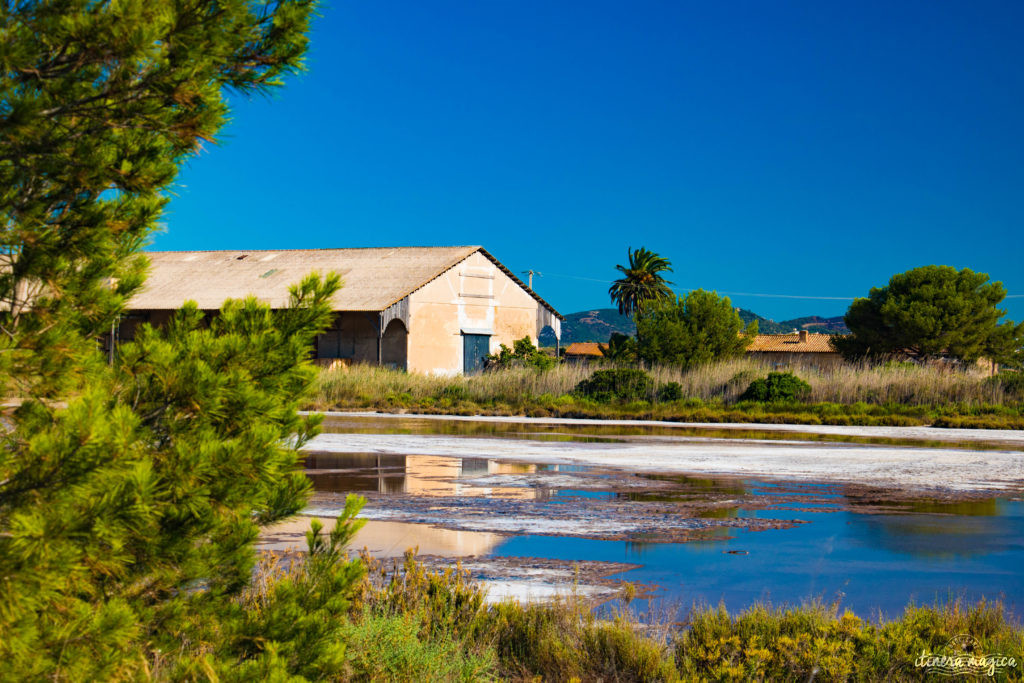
x=130, y=496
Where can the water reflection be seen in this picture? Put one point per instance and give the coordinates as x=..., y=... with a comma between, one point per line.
x=935, y=536
x=386, y=539
x=863, y=547
x=684, y=487
x=424, y=475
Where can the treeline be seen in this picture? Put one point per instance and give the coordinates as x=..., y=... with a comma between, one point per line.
x=927, y=313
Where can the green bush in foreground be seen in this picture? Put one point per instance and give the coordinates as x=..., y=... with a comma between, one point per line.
x=618, y=384
x=777, y=386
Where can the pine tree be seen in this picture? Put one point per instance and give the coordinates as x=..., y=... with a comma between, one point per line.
x=131, y=495
x=930, y=312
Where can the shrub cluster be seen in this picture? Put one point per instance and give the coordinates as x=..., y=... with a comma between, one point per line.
x=777, y=386
x=617, y=384
x=523, y=354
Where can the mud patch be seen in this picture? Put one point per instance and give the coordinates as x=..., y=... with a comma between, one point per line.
x=533, y=579
x=605, y=520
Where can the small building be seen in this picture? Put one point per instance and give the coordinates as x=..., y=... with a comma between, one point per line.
x=798, y=348
x=436, y=310
x=584, y=352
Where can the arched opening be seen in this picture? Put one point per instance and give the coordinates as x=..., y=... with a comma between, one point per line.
x=547, y=338
x=394, y=346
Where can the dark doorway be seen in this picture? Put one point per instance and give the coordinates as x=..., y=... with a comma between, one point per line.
x=474, y=348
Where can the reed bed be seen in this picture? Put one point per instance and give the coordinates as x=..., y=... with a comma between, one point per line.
x=722, y=383
x=405, y=622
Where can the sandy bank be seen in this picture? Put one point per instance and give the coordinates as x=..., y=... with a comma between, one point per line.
x=1010, y=436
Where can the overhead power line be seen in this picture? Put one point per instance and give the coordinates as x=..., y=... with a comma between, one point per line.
x=757, y=294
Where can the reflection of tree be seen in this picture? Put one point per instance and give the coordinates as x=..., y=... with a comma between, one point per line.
x=936, y=529
x=987, y=507
x=686, y=488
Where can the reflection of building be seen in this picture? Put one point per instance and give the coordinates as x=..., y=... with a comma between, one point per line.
x=425, y=475
x=422, y=309
x=385, y=539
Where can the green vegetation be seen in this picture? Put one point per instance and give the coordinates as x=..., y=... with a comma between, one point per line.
x=670, y=391
x=933, y=311
x=621, y=348
x=818, y=643
x=619, y=384
x=693, y=330
x=407, y=623
x=523, y=354
x=777, y=386
x=642, y=281
x=131, y=494
x=901, y=394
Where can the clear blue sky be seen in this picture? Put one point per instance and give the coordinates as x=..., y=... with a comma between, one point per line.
x=800, y=148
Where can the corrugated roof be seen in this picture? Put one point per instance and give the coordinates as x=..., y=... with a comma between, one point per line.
x=790, y=343
x=374, y=278
x=584, y=349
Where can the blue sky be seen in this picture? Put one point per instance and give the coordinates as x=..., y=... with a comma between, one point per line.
x=784, y=148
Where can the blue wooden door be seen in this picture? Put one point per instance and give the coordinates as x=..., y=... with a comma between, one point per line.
x=474, y=348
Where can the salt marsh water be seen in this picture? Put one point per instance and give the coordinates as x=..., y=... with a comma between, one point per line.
x=502, y=493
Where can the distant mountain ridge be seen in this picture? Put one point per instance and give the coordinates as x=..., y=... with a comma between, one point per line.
x=597, y=325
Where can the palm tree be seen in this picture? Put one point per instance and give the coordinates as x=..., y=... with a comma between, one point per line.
x=642, y=281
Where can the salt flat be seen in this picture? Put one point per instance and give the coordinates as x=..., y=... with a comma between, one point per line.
x=953, y=469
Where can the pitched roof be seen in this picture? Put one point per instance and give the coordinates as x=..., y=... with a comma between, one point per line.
x=790, y=343
x=585, y=349
x=374, y=278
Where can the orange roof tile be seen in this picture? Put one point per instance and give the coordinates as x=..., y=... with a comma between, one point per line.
x=790, y=343
x=585, y=349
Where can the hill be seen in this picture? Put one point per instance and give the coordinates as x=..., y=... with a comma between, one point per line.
x=598, y=325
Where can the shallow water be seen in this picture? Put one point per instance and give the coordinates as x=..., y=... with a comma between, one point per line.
x=871, y=550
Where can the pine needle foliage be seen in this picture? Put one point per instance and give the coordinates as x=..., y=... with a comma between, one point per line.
x=131, y=494
x=933, y=312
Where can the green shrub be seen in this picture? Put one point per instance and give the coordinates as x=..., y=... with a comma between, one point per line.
x=670, y=391
x=522, y=354
x=394, y=648
x=777, y=386
x=815, y=642
x=619, y=384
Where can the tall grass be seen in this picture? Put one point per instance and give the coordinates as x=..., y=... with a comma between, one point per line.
x=907, y=384
x=408, y=623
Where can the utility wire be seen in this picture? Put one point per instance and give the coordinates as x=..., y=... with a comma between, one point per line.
x=757, y=294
